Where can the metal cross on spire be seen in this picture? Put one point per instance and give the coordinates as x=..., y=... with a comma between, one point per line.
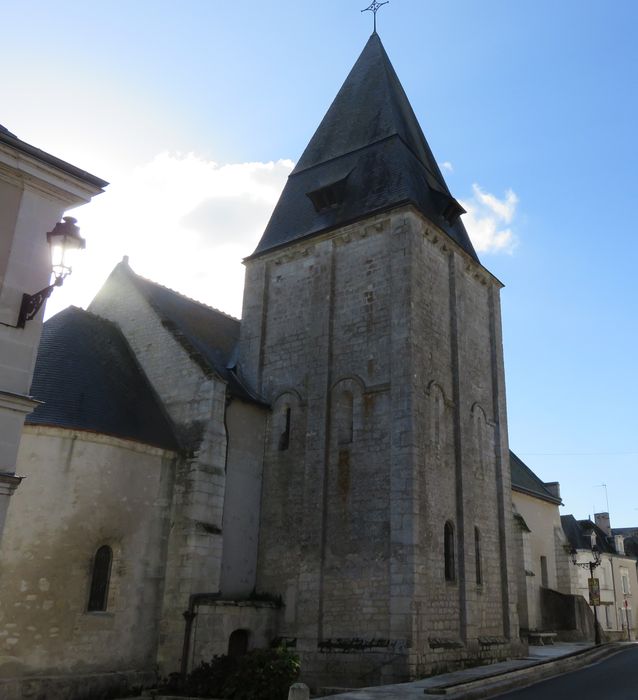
x=374, y=8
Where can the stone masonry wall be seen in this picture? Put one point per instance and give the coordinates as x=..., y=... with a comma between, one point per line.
x=83, y=491
x=217, y=620
x=242, y=502
x=379, y=348
x=462, y=471
x=195, y=402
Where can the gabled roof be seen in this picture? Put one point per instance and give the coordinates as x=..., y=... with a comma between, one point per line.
x=88, y=379
x=525, y=481
x=209, y=336
x=369, y=140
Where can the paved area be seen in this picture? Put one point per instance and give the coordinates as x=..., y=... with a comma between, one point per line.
x=612, y=678
x=443, y=685
x=495, y=679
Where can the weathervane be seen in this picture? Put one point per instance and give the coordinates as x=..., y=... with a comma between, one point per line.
x=374, y=8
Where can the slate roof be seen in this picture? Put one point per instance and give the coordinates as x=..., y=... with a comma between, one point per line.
x=525, y=481
x=89, y=379
x=4, y=130
x=578, y=533
x=209, y=336
x=631, y=546
x=12, y=140
x=625, y=531
x=630, y=538
x=370, y=137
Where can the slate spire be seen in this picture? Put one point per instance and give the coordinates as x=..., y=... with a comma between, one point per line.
x=368, y=155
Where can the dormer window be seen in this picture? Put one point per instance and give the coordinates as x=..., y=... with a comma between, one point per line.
x=452, y=211
x=329, y=196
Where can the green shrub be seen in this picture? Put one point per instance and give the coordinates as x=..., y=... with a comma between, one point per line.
x=208, y=679
x=263, y=674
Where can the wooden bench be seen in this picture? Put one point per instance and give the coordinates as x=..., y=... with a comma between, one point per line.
x=541, y=638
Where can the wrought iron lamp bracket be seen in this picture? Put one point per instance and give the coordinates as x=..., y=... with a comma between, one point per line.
x=65, y=236
x=32, y=303
x=591, y=565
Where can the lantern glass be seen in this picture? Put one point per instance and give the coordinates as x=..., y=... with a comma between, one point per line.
x=65, y=241
x=57, y=254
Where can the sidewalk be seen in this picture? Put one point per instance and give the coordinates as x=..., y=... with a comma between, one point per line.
x=488, y=681
x=480, y=682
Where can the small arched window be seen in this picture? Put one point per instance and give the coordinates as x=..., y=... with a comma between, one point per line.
x=284, y=438
x=448, y=546
x=98, y=595
x=345, y=410
x=477, y=556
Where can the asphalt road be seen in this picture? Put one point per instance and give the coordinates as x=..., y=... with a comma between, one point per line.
x=614, y=678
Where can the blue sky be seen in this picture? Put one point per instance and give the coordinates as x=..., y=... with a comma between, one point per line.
x=195, y=114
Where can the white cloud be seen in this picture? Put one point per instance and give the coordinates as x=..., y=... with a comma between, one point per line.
x=487, y=220
x=187, y=222
x=447, y=166
x=184, y=221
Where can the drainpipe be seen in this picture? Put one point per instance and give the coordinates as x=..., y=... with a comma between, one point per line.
x=196, y=598
x=613, y=583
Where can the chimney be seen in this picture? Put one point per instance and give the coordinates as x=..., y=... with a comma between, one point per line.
x=603, y=522
x=553, y=487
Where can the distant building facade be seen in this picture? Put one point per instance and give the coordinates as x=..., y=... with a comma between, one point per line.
x=616, y=573
x=543, y=545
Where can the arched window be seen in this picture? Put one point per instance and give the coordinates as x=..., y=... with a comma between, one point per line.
x=345, y=405
x=284, y=438
x=238, y=643
x=477, y=556
x=98, y=595
x=448, y=545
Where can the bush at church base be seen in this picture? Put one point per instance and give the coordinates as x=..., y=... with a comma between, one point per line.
x=262, y=674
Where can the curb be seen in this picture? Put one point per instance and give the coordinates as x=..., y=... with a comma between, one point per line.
x=510, y=680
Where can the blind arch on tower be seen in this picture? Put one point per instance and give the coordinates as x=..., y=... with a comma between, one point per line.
x=346, y=397
x=483, y=437
x=438, y=426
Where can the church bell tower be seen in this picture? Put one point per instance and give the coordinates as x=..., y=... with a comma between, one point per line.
x=374, y=333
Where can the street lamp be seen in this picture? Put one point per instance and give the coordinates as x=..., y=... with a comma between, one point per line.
x=591, y=565
x=65, y=241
